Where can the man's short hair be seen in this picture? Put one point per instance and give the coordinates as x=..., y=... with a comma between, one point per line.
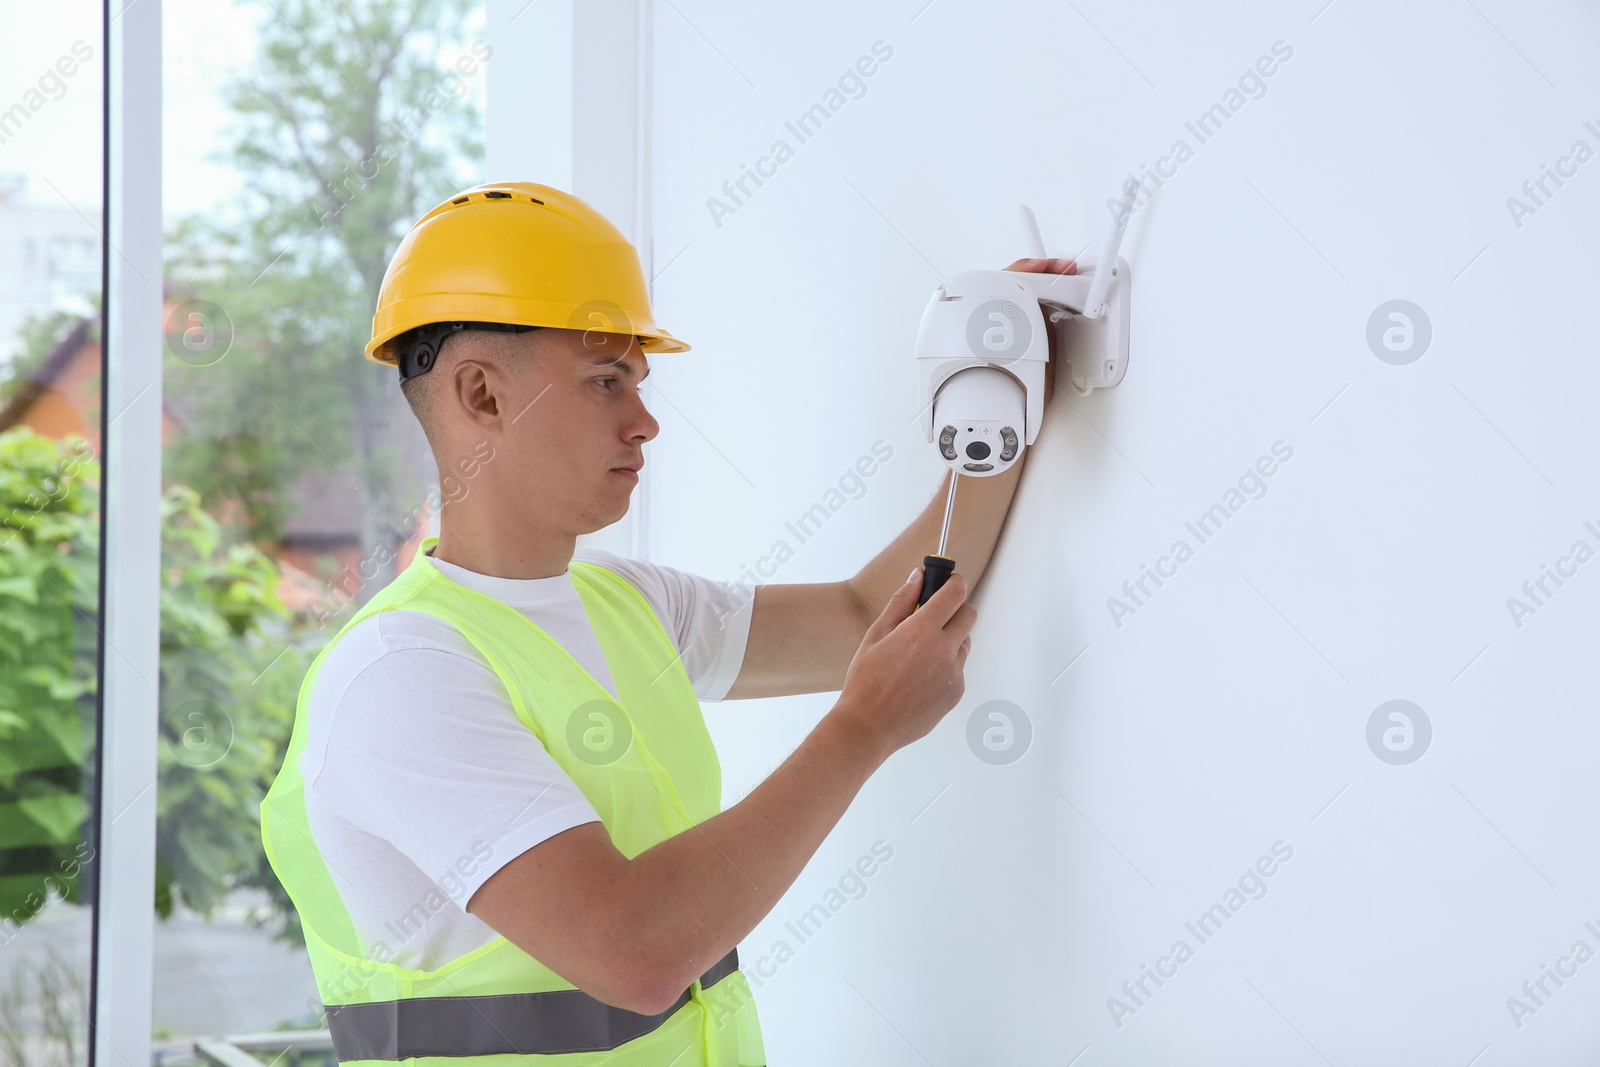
x=424, y=347
x=416, y=349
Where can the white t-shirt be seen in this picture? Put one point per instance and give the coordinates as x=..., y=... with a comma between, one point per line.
x=420, y=780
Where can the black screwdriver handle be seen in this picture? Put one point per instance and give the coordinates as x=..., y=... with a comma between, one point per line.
x=935, y=571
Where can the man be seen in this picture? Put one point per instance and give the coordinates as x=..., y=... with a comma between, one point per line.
x=500, y=813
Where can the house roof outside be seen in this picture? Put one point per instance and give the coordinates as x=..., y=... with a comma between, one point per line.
x=63, y=396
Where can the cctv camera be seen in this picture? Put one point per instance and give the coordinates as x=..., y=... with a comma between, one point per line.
x=978, y=416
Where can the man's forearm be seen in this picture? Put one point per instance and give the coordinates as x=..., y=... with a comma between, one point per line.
x=980, y=514
x=802, y=637
x=697, y=894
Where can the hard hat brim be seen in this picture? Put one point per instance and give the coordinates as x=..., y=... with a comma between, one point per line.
x=423, y=311
x=520, y=254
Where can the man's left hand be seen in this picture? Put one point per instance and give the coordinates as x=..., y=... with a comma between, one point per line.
x=1047, y=266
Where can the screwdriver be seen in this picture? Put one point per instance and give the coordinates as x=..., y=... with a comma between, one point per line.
x=936, y=569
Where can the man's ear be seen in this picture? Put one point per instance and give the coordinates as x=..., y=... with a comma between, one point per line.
x=476, y=392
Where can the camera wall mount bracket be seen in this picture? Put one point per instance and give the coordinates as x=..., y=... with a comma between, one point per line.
x=1003, y=320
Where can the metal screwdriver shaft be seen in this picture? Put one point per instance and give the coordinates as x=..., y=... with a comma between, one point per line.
x=936, y=569
x=949, y=509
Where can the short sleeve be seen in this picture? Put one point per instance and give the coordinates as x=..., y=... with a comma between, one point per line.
x=424, y=751
x=708, y=620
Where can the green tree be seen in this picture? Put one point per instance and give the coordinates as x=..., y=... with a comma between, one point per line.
x=48, y=604
x=230, y=670
x=355, y=119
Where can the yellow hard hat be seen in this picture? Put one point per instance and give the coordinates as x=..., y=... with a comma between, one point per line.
x=512, y=255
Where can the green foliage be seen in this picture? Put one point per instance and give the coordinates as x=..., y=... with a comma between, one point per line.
x=48, y=604
x=230, y=674
x=230, y=671
x=353, y=121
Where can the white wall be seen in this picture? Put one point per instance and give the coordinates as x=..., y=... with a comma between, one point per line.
x=1230, y=711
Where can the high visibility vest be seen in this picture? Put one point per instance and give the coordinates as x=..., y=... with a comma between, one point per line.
x=646, y=763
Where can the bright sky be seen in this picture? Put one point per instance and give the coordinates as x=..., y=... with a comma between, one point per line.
x=56, y=150
x=60, y=144
x=204, y=42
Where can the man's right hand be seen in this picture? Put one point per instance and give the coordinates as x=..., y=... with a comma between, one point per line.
x=907, y=674
x=636, y=932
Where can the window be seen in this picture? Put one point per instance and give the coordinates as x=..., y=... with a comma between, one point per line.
x=50, y=525
x=293, y=471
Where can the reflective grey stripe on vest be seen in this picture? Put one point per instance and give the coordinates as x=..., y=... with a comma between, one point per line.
x=561, y=1020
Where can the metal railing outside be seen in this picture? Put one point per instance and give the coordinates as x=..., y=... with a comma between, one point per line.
x=280, y=1048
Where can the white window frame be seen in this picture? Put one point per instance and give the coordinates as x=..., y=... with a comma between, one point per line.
x=124, y=906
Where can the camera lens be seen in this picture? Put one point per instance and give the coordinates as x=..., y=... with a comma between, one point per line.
x=977, y=450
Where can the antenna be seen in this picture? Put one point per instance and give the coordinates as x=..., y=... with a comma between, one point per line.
x=1106, y=266
x=1030, y=232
